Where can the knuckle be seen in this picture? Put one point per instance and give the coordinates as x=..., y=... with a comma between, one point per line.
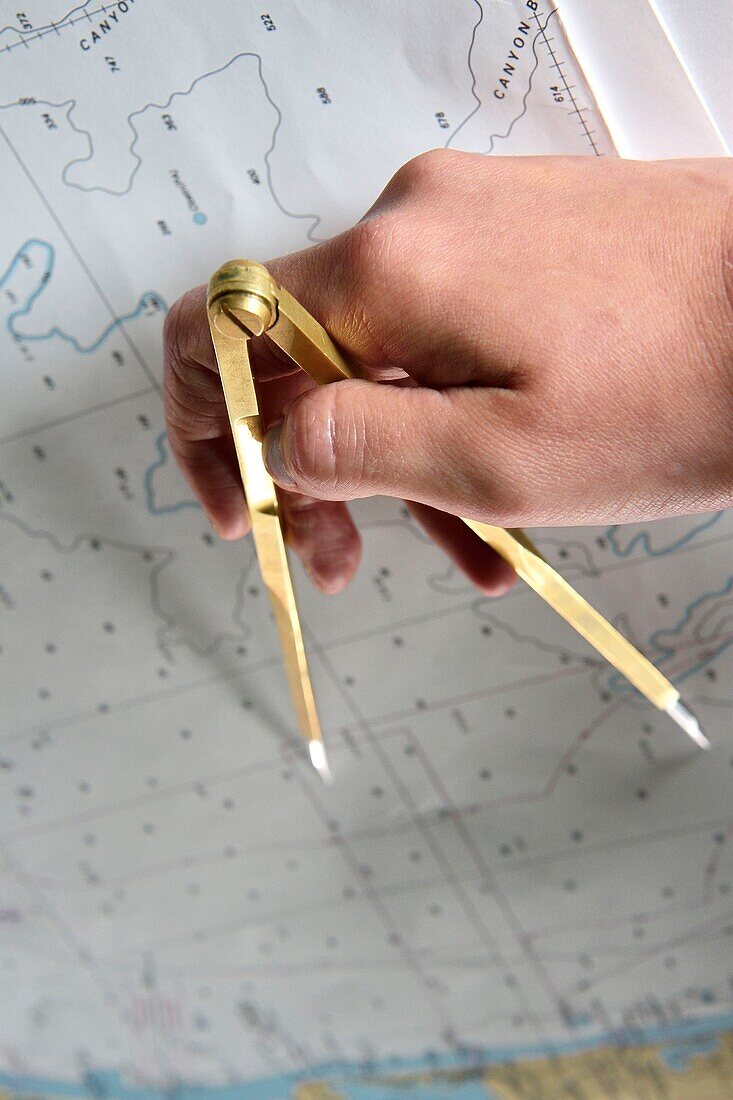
x=369, y=252
x=403, y=202
x=193, y=402
x=374, y=254
x=172, y=330
x=423, y=172
x=184, y=417
x=185, y=330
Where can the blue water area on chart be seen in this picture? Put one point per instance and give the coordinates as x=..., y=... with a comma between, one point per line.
x=149, y=300
x=153, y=507
x=682, y=1041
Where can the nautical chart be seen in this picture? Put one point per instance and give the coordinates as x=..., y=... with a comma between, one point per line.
x=520, y=882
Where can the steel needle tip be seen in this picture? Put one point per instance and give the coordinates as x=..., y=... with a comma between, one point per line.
x=317, y=752
x=687, y=721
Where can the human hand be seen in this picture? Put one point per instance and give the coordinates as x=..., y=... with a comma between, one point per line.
x=546, y=341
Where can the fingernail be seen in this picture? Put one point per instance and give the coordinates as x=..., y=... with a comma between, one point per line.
x=273, y=458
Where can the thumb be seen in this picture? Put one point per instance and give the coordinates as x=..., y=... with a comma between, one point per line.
x=356, y=438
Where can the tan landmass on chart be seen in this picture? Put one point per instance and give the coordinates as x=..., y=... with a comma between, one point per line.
x=317, y=1090
x=610, y=1073
x=607, y=1073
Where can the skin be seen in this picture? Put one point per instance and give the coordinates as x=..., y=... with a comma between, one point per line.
x=544, y=341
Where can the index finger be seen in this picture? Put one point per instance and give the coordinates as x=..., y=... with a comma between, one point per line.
x=200, y=438
x=198, y=425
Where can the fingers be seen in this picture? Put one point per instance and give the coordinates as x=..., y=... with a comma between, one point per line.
x=354, y=438
x=321, y=532
x=196, y=416
x=323, y=535
x=328, y=280
x=448, y=449
x=200, y=438
x=211, y=469
x=481, y=564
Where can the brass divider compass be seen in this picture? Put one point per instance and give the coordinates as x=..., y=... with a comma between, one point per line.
x=244, y=302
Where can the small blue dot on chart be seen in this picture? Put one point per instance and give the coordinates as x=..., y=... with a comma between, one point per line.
x=199, y=218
